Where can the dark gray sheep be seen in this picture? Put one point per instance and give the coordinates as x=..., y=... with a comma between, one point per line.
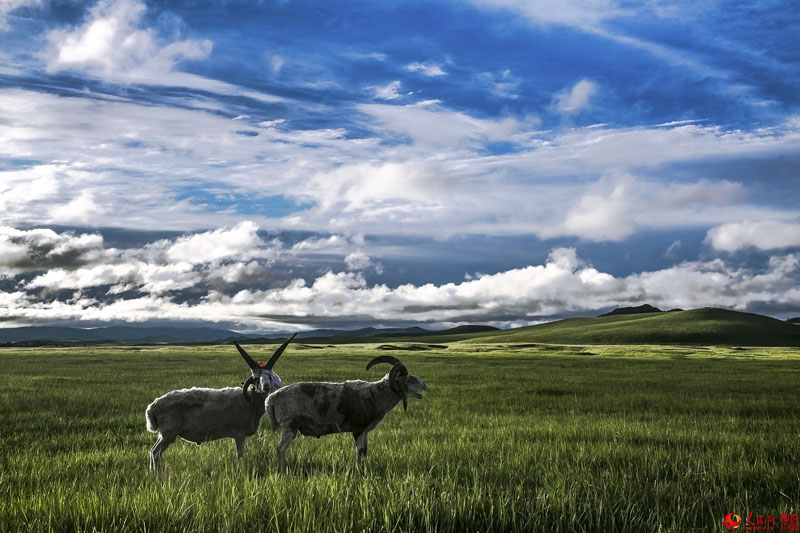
x=319, y=408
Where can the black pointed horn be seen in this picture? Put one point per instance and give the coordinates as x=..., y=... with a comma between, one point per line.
x=278, y=352
x=390, y=359
x=245, y=356
x=246, y=386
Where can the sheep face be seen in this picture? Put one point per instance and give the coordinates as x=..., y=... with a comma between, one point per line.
x=400, y=380
x=413, y=386
x=265, y=380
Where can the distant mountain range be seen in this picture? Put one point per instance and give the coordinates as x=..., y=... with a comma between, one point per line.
x=626, y=325
x=37, y=335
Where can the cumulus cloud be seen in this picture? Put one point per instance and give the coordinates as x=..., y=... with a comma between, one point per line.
x=761, y=234
x=576, y=98
x=357, y=260
x=563, y=284
x=81, y=209
x=44, y=248
x=605, y=212
x=241, y=242
x=112, y=44
x=354, y=187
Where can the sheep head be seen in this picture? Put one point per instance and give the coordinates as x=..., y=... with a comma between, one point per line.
x=265, y=379
x=400, y=380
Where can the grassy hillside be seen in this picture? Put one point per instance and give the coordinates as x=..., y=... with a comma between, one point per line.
x=697, y=326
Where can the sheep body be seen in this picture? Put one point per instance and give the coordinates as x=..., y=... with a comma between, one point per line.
x=200, y=415
x=315, y=409
x=321, y=408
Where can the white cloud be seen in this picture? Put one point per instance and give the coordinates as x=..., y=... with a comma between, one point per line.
x=43, y=248
x=11, y=252
x=563, y=284
x=276, y=62
x=241, y=241
x=605, y=213
x=761, y=234
x=576, y=98
x=358, y=260
x=439, y=176
x=432, y=70
x=112, y=44
x=354, y=187
x=390, y=91
x=503, y=84
x=431, y=125
x=81, y=209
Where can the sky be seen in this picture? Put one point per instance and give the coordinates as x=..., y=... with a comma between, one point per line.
x=287, y=165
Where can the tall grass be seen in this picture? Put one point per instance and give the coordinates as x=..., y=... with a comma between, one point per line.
x=507, y=439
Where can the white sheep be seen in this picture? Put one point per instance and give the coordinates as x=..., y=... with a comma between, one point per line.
x=201, y=414
x=319, y=408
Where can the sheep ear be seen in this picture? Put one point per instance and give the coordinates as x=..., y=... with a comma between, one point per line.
x=278, y=352
x=249, y=360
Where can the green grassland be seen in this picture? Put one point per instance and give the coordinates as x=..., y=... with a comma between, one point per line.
x=696, y=326
x=509, y=437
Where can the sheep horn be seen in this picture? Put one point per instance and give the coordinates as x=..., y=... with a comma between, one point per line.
x=278, y=353
x=246, y=386
x=249, y=360
x=398, y=370
x=392, y=360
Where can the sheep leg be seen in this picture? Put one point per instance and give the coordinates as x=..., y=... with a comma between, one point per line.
x=239, y=446
x=286, y=439
x=158, y=448
x=361, y=447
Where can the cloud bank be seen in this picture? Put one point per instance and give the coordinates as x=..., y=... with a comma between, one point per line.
x=194, y=278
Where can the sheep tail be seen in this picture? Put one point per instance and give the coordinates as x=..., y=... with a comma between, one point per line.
x=150, y=417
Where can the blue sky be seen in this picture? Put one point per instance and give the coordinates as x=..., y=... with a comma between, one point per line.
x=284, y=165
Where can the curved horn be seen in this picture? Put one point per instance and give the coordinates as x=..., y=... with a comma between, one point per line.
x=397, y=371
x=278, y=353
x=245, y=356
x=246, y=386
x=392, y=360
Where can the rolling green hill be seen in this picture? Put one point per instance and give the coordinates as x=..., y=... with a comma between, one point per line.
x=696, y=326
